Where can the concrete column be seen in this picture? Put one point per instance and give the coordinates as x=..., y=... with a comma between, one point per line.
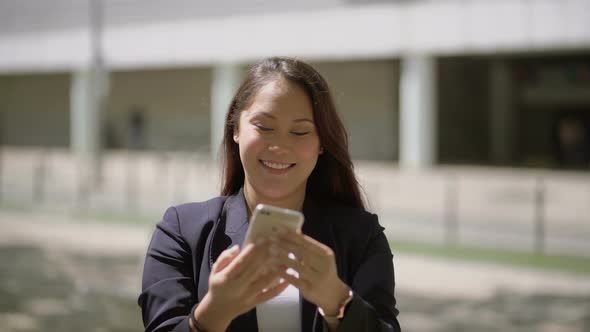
x=226, y=80
x=418, y=112
x=502, y=116
x=87, y=94
x=84, y=115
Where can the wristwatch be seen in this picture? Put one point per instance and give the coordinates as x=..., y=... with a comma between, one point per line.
x=341, y=309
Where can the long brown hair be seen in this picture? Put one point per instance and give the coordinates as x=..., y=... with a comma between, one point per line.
x=333, y=179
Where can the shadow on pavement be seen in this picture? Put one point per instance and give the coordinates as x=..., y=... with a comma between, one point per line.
x=59, y=291
x=505, y=311
x=45, y=290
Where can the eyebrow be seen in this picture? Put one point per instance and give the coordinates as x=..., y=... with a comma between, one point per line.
x=268, y=115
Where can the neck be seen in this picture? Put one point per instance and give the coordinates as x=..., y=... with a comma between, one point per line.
x=293, y=201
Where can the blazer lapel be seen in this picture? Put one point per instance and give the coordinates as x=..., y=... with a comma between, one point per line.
x=230, y=230
x=234, y=222
x=318, y=227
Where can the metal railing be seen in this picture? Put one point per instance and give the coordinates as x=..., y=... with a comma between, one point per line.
x=545, y=212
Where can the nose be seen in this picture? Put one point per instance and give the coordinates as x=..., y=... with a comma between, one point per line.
x=277, y=148
x=279, y=144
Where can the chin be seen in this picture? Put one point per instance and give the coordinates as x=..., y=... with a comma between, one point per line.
x=278, y=192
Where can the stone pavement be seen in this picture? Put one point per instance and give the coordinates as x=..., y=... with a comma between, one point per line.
x=58, y=273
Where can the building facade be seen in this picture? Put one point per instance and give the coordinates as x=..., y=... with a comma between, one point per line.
x=421, y=83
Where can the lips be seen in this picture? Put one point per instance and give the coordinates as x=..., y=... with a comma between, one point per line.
x=276, y=167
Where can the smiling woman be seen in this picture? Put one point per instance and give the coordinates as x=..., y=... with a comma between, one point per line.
x=333, y=177
x=278, y=144
x=284, y=145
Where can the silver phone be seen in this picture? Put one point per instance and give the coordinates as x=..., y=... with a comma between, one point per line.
x=268, y=219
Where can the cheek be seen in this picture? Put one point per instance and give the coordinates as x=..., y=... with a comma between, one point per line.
x=309, y=151
x=250, y=145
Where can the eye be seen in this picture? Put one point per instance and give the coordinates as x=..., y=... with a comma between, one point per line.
x=300, y=133
x=263, y=128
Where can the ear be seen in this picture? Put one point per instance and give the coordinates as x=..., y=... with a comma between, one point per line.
x=236, y=135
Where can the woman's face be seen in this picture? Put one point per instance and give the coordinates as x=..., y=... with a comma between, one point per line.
x=278, y=142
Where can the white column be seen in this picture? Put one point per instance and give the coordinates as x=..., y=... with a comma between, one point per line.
x=502, y=124
x=225, y=82
x=87, y=95
x=84, y=113
x=418, y=112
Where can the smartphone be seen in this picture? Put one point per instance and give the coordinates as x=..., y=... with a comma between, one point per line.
x=268, y=219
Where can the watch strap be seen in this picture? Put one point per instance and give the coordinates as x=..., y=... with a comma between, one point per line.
x=194, y=322
x=341, y=309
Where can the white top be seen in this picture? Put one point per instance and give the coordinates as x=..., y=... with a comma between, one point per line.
x=281, y=313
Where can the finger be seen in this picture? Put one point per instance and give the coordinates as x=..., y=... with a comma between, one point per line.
x=271, y=292
x=259, y=264
x=225, y=258
x=248, y=262
x=305, y=241
x=311, y=259
x=264, y=281
x=238, y=264
x=296, y=264
x=300, y=283
x=307, y=245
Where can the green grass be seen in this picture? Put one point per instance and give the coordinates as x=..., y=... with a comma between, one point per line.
x=570, y=264
x=114, y=217
x=13, y=207
x=83, y=215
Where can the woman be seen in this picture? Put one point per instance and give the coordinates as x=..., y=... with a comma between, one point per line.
x=284, y=145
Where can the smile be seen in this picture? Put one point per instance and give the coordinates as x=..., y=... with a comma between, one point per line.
x=275, y=165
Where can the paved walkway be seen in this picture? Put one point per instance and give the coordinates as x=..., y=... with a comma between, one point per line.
x=63, y=273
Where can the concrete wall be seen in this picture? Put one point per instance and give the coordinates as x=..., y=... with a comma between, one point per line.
x=366, y=94
x=176, y=103
x=35, y=110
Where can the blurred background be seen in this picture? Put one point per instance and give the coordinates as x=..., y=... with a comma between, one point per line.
x=469, y=125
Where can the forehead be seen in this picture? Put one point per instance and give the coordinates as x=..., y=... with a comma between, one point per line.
x=282, y=98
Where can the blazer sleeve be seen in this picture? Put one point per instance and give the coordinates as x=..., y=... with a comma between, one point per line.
x=373, y=304
x=168, y=290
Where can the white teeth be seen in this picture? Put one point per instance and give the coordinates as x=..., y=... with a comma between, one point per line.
x=275, y=165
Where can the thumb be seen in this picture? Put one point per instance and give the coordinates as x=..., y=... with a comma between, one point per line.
x=226, y=257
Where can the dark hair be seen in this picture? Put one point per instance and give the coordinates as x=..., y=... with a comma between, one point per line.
x=333, y=179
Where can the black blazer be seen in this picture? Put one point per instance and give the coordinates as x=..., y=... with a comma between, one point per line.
x=190, y=237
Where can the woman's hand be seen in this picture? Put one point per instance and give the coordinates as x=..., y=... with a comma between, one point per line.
x=315, y=263
x=237, y=284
